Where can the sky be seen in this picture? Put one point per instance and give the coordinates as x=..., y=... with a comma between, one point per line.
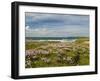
x=56, y=25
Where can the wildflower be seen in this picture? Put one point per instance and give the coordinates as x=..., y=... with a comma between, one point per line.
x=45, y=60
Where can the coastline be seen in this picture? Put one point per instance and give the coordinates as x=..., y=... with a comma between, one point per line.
x=42, y=40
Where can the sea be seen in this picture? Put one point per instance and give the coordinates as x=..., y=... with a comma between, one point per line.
x=62, y=39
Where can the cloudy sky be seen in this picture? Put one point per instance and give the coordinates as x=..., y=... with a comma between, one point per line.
x=56, y=25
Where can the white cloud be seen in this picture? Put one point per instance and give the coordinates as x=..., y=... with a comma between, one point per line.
x=36, y=30
x=62, y=31
x=27, y=28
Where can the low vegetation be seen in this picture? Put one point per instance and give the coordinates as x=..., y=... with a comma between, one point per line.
x=56, y=53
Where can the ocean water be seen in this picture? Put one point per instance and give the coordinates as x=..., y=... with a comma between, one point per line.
x=62, y=39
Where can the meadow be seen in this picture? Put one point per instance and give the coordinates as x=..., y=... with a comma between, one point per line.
x=57, y=53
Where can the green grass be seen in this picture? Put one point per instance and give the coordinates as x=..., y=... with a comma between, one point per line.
x=77, y=53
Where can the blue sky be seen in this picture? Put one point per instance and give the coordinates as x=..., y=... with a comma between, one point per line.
x=56, y=25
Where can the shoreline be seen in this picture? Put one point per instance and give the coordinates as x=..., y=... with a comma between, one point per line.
x=62, y=40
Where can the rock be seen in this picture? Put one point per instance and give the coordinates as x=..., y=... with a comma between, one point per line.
x=70, y=60
x=64, y=59
x=35, y=58
x=45, y=60
x=28, y=63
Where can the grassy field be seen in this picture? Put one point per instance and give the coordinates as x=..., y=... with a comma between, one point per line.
x=56, y=53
